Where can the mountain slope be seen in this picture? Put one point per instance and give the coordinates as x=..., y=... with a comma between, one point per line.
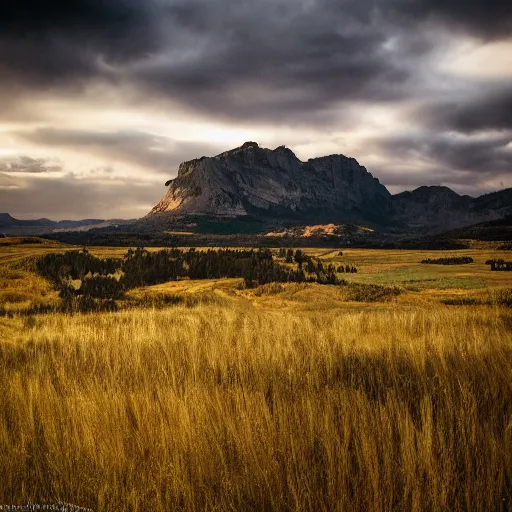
x=255, y=181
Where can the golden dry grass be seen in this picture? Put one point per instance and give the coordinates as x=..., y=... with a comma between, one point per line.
x=227, y=409
x=284, y=398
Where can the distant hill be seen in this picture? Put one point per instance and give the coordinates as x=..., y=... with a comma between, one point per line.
x=440, y=208
x=12, y=226
x=499, y=229
x=274, y=187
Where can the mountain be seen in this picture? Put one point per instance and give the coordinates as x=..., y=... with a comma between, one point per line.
x=440, y=208
x=253, y=190
x=12, y=226
x=495, y=230
x=250, y=180
x=254, y=182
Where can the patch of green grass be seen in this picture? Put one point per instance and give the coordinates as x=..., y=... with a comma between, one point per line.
x=421, y=278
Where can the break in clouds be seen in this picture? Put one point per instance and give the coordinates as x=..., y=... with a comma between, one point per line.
x=101, y=101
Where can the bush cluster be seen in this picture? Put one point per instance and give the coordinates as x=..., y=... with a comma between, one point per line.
x=462, y=301
x=500, y=265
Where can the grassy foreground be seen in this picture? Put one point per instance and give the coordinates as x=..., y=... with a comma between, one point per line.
x=232, y=407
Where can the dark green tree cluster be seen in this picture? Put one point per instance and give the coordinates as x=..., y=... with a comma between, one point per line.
x=101, y=287
x=98, y=288
x=93, y=272
x=144, y=268
x=74, y=265
x=500, y=265
x=456, y=260
x=255, y=267
x=314, y=267
x=216, y=264
x=108, y=279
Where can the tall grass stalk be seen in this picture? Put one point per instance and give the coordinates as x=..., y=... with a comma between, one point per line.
x=221, y=408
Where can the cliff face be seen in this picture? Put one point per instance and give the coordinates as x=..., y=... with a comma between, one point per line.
x=251, y=179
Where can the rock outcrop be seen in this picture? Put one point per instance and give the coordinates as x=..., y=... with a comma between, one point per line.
x=254, y=180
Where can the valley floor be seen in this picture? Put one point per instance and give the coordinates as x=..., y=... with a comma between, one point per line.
x=286, y=397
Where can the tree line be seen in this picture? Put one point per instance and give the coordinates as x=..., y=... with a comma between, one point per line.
x=110, y=278
x=312, y=265
x=458, y=260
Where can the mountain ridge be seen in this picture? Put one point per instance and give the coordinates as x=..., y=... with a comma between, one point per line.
x=266, y=183
x=11, y=225
x=249, y=189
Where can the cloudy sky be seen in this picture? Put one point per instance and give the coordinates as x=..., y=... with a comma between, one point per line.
x=100, y=100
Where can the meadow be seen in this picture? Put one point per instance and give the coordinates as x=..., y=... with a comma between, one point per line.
x=284, y=397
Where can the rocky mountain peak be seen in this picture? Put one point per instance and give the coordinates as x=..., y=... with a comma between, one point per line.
x=246, y=146
x=250, y=179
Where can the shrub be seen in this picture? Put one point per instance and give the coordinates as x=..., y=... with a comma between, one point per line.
x=87, y=304
x=29, y=322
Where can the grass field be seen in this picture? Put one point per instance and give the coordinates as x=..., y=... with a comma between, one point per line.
x=286, y=397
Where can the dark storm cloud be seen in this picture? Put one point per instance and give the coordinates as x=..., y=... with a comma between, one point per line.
x=490, y=19
x=480, y=156
x=228, y=58
x=466, y=164
x=489, y=111
x=56, y=41
x=273, y=60
x=461, y=181
x=267, y=60
x=154, y=152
